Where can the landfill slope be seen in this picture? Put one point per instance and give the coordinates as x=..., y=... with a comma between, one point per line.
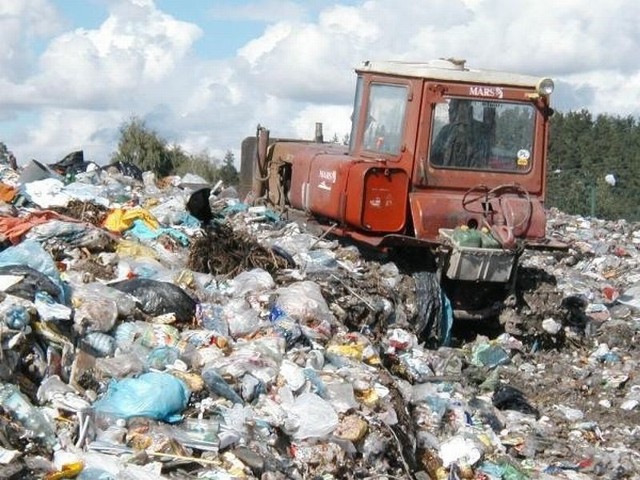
x=139, y=341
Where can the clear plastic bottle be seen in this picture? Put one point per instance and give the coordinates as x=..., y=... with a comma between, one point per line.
x=33, y=420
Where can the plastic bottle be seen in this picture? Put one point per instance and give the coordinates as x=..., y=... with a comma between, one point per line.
x=32, y=419
x=467, y=237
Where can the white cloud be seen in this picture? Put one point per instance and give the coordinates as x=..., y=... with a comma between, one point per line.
x=336, y=120
x=22, y=23
x=256, y=49
x=136, y=46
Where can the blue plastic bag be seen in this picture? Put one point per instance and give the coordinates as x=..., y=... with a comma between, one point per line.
x=160, y=396
x=32, y=254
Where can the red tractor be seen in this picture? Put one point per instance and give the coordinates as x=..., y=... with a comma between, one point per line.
x=445, y=163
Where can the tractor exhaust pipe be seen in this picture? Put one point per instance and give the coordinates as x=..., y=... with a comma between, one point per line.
x=319, y=137
x=260, y=174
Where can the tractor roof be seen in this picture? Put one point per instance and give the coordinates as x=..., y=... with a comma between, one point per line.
x=448, y=70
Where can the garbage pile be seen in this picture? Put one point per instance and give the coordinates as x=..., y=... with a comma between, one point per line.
x=139, y=341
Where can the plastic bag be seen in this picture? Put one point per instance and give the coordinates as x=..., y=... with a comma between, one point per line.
x=31, y=254
x=154, y=395
x=32, y=282
x=95, y=314
x=170, y=212
x=49, y=309
x=218, y=386
x=158, y=298
x=241, y=318
x=74, y=234
x=125, y=303
x=256, y=280
x=304, y=300
x=317, y=418
x=211, y=317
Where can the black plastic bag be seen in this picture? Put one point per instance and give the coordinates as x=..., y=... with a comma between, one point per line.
x=126, y=168
x=71, y=164
x=33, y=282
x=506, y=397
x=159, y=298
x=198, y=205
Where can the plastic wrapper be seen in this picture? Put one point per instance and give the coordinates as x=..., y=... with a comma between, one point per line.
x=48, y=309
x=465, y=449
x=260, y=357
x=148, y=335
x=60, y=395
x=317, y=262
x=316, y=416
x=74, y=235
x=142, y=267
x=47, y=193
x=198, y=433
x=95, y=314
x=122, y=365
x=154, y=395
x=296, y=243
x=211, y=317
x=87, y=293
x=14, y=316
x=341, y=396
x=159, y=358
x=218, y=386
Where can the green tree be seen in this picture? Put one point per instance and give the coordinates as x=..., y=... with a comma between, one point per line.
x=582, y=151
x=144, y=148
x=228, y=172
x=201, y=164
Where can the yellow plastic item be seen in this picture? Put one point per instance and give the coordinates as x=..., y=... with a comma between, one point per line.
x=69, y=470
x=134, y=249
x=120, y=220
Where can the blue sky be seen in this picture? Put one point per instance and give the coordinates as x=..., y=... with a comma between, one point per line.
x=204, y=73
x=222, y=36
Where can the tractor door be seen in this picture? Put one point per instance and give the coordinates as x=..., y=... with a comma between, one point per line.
x=383, y=146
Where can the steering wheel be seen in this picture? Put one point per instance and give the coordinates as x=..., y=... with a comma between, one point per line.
x=483, y=192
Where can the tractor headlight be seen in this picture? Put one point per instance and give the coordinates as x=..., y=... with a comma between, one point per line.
x=545, y=87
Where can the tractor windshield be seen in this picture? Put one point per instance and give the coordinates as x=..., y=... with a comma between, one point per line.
x=482, y=135
x=385, y=119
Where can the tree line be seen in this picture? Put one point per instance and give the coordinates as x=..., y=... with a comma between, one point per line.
x=594, y=165
x=144, y=148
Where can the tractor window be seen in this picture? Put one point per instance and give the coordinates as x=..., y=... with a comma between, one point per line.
x=482, y=135
x=385, y=118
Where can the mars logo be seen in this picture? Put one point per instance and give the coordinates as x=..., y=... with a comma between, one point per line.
x=491, y=92
x=329, y=175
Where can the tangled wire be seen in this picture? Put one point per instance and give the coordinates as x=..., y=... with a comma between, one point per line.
x=223, y=251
